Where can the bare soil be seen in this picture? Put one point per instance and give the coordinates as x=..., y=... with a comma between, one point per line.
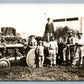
x=58, y=73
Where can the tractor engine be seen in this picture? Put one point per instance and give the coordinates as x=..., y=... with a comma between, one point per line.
x=11, y=48
x=8, y=35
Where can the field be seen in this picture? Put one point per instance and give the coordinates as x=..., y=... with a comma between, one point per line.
x=58, y=73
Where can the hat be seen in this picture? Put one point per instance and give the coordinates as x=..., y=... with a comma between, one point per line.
x=70, y=31
x=40, y=41
x=79, y=33
x=32, y=36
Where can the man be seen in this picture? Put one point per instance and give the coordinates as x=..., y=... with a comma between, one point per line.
x=49, y=29
x=61, y=46
x=53, y=50
x=79, y=51
x=70, y=48
x=32, y=42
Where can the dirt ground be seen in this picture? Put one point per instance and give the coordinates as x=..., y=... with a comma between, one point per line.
x=58, y=73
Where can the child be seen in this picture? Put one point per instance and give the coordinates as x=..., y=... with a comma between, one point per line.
x=40, y=54
x=53, y=50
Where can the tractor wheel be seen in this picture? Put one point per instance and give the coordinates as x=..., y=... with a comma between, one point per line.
x=4, y=63
x=30, y=58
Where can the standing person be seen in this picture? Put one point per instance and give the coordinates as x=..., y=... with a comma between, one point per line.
x=40, y=54
x=70, y=48
x=61, y=46
x=79, y=52
x=32, y=42
x=49, y=29
x=53, y=50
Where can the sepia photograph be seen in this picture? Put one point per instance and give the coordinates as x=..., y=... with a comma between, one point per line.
x=41, y=42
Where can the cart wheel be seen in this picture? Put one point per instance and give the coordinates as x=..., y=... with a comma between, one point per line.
x=30, y=58
x=4, y=63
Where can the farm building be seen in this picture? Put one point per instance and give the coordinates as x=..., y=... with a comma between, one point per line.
x=75, y=23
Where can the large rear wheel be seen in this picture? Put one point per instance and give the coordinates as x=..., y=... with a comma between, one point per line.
x=30, y=58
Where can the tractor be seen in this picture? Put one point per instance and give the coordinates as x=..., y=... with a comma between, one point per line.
x=13, y=48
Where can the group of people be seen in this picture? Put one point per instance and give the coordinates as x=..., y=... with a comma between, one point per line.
x=52, y=49
x=73, y=50
x=70, y=52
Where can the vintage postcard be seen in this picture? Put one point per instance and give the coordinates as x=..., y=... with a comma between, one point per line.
x=41, y=42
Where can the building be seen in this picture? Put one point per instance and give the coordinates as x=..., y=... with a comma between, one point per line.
x=75, y=23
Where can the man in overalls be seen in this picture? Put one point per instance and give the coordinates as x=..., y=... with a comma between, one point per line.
x=70, y=50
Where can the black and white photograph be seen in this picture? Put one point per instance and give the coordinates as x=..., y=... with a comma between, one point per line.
x=41, y=42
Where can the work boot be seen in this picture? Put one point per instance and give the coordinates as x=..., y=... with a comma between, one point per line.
x=73, y=66
x=54, y=65
x=50, y=65
x=80, y=66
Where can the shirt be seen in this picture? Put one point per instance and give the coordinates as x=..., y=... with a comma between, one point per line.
x=49, y=28
x=71, y=40
x=33, y=42
x=80, y=41
x=40, y=50
x=53, y=45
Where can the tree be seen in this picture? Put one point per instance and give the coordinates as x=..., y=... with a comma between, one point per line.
x=63, y=32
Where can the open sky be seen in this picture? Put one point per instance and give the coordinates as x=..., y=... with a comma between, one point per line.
x=31, y=18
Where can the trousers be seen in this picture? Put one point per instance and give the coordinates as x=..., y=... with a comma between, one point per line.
x=79, y=56
x=52, y=54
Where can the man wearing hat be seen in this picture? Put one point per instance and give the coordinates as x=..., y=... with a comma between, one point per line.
x=49, y=29
x=79, y=51
x=70, y=50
